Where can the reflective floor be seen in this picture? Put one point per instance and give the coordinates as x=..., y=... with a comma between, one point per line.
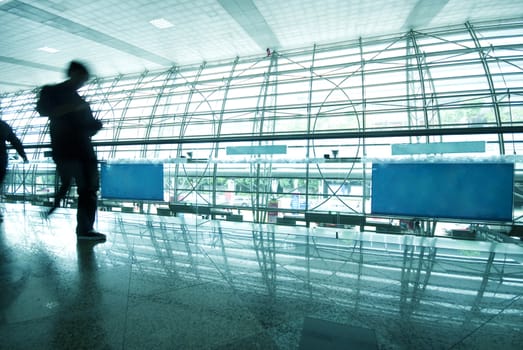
x=175, y=283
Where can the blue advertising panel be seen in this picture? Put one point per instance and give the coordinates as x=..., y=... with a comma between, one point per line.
x=134, y=181
x=477, y=191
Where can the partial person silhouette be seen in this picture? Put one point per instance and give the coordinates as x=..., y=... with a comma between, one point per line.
x=71, y=126
x=7, y=134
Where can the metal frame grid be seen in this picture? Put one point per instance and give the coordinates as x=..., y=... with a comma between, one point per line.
x=354, y=99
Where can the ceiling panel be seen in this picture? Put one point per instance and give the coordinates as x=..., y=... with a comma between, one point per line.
x=115, y=36
x=459, y=11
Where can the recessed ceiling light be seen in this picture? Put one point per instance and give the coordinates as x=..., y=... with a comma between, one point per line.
x=161, y=23
x=48, y=49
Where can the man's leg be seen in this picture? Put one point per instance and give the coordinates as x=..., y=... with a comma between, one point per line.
x=87, y=183
x=65, y=172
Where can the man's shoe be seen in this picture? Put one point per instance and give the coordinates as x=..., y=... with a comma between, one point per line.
x=91, y=236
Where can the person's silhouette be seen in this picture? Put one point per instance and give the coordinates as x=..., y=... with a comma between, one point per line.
x=71, y=126
x=7, y=134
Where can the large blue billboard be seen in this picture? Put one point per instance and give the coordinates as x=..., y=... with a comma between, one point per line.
x=476, y=191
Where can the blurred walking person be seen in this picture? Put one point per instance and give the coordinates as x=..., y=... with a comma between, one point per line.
x=71, y=126
x=7, y=134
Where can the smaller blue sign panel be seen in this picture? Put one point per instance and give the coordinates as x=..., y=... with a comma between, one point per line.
x=134, y=181
x=261, y=149
x=438, y=147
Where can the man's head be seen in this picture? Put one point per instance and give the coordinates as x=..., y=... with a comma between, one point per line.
x=78, y=74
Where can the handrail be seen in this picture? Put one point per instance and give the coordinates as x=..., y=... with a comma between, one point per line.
x=442, y=131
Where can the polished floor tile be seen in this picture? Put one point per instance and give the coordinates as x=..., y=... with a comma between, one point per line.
x=179, y=283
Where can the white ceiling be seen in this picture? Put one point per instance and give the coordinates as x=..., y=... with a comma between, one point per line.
x=115, y=36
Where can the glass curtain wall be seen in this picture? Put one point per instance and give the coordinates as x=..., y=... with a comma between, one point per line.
x=296, y=130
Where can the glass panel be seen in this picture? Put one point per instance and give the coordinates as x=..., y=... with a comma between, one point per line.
x=334, y=107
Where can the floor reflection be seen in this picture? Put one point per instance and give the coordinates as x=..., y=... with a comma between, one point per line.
x=79, y=321
x=174, y=282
